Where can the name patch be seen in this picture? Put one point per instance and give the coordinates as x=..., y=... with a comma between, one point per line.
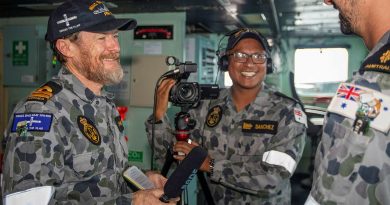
x=32, y=122
x=89, y=130
x=260, y=126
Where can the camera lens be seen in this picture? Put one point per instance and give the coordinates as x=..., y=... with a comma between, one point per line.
x=186, y=92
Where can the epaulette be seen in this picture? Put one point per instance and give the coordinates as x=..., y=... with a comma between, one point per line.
x=45, y=92
x=296, y=101
x=379, y=61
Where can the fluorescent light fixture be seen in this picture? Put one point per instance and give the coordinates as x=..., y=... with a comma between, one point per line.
x=42, y=6
x=51, y=6
x=263, y=17
x=225, y=2
x=110, y=5
x=231, y=27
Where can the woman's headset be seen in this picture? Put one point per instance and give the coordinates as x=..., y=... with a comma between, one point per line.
x=234, y=37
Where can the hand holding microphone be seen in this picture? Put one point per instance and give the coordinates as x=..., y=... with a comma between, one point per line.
x=184, y=173
x=186, y=147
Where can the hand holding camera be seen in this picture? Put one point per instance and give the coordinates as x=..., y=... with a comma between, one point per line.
x=175, y=88
x=162, y=97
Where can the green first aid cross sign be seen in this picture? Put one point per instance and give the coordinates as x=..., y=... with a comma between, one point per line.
x=20, y=53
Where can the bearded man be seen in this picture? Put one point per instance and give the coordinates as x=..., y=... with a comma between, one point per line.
x=68, y=135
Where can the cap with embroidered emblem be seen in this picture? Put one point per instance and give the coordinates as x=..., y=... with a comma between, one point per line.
x=84, y=15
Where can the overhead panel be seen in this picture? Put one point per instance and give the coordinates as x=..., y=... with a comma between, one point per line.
x=307, y=18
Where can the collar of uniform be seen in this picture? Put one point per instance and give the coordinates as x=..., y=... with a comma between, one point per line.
x=384, y=40
x=74, y=84
x=262, y=96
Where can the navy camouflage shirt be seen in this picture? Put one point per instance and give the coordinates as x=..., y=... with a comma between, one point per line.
x=64, y=136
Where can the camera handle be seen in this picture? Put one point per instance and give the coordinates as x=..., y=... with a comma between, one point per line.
x=183, y=125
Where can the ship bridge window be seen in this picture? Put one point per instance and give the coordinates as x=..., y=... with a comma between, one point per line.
x=318, y=72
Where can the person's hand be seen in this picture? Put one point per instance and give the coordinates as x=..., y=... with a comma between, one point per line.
x=162, y=97
x=185, y=147
x=150, y=197
x=156, y=178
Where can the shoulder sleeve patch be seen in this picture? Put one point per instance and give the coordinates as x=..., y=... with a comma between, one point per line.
x=300, y=116
x=45, y=92
x=23, y=122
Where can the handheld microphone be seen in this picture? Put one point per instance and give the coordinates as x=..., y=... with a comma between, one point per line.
x=183, y=174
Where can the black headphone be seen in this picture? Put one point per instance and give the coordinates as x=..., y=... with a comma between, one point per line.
x=223, y=62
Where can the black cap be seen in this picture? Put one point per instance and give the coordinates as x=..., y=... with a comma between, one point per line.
x=239, y=34
x=83, y=15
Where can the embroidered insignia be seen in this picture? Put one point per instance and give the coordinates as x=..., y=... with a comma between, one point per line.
x=300, y=116
x=98, y=7
x=89, y=130
x=214, y=116
x=260, y=126
x=23, y=122
x=119, y=123
x=369, y=108
x=379, y=61
x=385, y=57
x=349, y=92
x=45, y=92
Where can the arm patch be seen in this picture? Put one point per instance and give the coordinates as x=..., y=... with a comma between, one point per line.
x=31, y=122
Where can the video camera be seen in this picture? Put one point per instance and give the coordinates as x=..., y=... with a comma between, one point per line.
x=188, y=94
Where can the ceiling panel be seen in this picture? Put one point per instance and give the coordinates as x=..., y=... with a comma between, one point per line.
x=275, y=18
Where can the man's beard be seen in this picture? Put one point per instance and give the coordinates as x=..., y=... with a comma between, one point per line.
x=95, y=71
x=345, y=25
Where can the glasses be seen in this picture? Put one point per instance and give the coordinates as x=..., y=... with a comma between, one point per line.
x=257, y=58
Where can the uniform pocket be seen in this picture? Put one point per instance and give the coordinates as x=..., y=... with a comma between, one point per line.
x=340, y=162
x=347, y=143
x=89, y=164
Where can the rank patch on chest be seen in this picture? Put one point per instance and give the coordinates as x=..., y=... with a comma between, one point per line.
x=260, y=126
x=214, y=116
x=89, y=130
x=24, y=122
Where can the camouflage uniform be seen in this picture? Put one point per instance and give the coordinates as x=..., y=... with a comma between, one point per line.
x=240, y=143
x=354, y=168
x=79, y=149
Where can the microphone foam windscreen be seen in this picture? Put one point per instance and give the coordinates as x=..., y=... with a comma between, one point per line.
x=184, y=172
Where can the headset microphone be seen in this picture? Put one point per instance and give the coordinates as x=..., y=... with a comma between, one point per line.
x=183, y=174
